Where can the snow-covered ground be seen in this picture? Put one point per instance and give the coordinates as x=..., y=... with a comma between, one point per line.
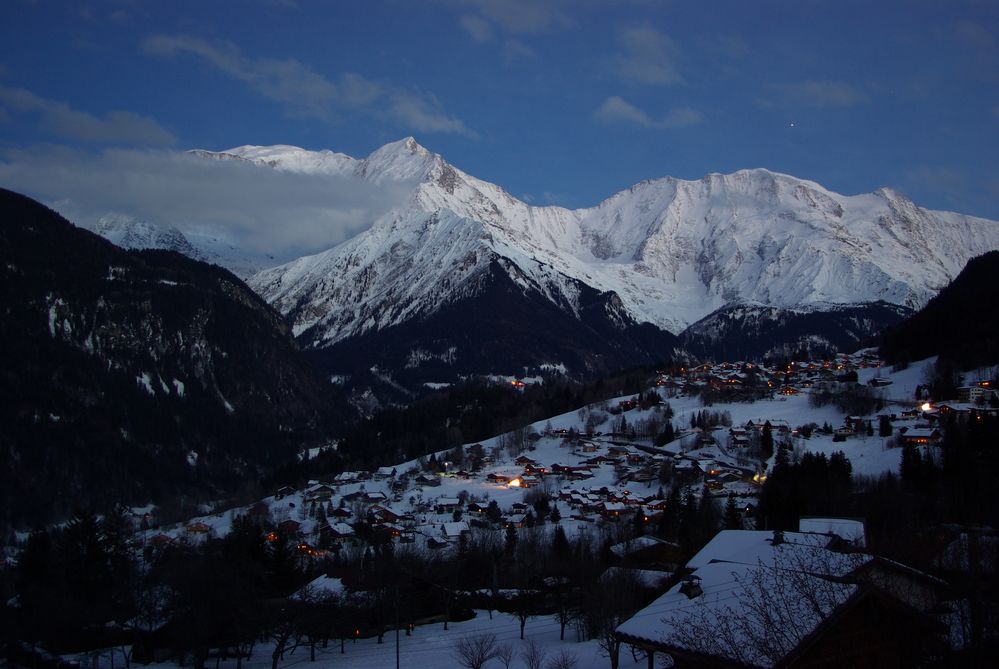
x=430, y=647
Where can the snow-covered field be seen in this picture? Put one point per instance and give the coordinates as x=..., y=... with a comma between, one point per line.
x=429, y=647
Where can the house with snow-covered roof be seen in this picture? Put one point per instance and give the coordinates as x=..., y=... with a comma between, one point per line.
x=783, y=599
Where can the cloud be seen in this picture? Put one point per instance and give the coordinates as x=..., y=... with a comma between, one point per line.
x=477, y=27
x=260, y=210
x=823, y=94
x=522, y=16
x=303, y=92
x=426, y=115
x=649, y=57
x=516, y=50
x=115, y=127
x=618, y=110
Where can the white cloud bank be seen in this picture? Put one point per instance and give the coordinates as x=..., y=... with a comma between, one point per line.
x=257, y=209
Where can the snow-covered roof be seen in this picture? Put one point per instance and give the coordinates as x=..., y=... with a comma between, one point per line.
x=749, y=611
x=756, y=547
x=322, y=586
x=844, y=528
x=638, y=543
x=455, y=529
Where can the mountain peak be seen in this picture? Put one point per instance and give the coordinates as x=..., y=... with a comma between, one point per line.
x=405, y=159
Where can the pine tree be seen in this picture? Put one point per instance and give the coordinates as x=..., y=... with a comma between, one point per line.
x=733, y=520
x=560, y=544
x=511, y=539
x=639, y=522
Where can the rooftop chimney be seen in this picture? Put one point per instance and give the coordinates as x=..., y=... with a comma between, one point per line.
x=691, y=587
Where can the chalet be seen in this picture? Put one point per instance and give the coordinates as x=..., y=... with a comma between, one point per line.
x=502, y=479
x=339, y=532
x=529, y=481
x=476, y=508
x=356, y=496
x=340, y=513
x=375, y=497
x=427, y=480
x=517, y=520
x=448, y=504
x=565, y=470
x=857, y=424
x=197, y=528
x=384, y=473
x=319, y=493
x=616, y=451
x=289, y=528
x=646, y=551
x=738, y=436
x=383, y=514
x=535, y=469
x=344, y=478
x=524, y=461
x=283, y=492
x=841, y=433
x=919, y=436
x=832, y=608
x=613, y=510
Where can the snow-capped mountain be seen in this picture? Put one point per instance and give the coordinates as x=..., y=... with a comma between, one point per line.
x=131, y=233
x=672, y=251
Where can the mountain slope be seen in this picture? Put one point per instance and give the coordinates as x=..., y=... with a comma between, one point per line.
x=131, y=376
x=960, y=324
x=672, y=252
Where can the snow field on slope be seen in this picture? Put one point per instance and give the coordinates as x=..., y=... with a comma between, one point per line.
x=431, y=647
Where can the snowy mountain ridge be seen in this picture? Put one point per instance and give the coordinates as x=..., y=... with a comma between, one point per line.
x=673, y=251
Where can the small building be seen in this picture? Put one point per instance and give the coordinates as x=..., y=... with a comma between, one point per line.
x=919, y=436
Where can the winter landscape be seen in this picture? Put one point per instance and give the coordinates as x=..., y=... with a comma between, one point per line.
x=523, y=334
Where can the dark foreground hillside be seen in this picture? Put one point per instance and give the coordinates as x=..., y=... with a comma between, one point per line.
x=128, y=377
x=960, y=324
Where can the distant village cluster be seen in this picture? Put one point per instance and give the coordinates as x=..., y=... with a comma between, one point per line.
x=588, y=475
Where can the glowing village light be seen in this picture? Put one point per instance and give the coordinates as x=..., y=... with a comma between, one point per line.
x=515, y=483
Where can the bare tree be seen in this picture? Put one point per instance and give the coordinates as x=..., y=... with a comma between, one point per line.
x=534, y=655
x=566, y=659
x=473, y=652
x=771, y=609
x=505, y=654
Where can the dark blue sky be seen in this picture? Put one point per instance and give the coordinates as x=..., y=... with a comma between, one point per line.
x=558, y=102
